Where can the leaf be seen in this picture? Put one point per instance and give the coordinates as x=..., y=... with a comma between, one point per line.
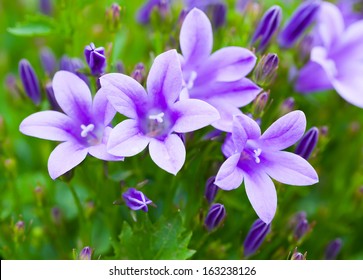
x=164, y=240
x=33, y=26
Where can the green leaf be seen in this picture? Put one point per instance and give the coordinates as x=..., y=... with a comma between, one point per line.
x=164, y=240
x=33, y=26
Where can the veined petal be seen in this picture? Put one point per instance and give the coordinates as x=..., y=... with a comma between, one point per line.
x=289, y=168
x=226, y=112
x=126, y=139
x=229, y=176
x=239, y=134
x=261, y=193
x=102, y=109
x=193, y=114
x=250, y=127
x=284, y=132
x=228, y=148
x=165, y=79
x=125, y=94
x=50, y=125
x=64, y=157
x=168, y=154
x=72, y=95
x=196, y=37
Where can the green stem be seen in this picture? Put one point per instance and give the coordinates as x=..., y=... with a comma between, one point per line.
x=78, y=203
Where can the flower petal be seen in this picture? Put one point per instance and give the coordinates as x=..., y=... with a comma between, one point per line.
x=289, y=168
x=126, y=139
x=165, y=79
x=284, y=132
x=228, y=148
x=64, y=157
x=193, y=114
x=168, y=154
x=72, y=95
x=229, y=176
x=251, y=128
x=196, y=37
x=126, y=95
x=50, y=125
x=351, y=40
x=226, y=112
x=262, y=194
x=311, y=78
x=102, y=109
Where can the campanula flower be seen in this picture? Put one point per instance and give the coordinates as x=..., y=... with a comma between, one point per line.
x=255, y=237
x=215, y=216
x=95, y=58
x=254, y=158
x=136, y=200
x=83, y=128
x=30, y=81
x=336, y=62
x=217, y=78
x=155, y=116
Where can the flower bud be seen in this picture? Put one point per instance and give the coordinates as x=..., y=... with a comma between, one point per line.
x=287, y=106
x=95, y=58
x=139, y=72
x=255, y=237
x=297, y=256
x=260, y=103
x=48, y=61
x=113, y=16
x=333, y=249
x=136, y=200
x=46, y=7
x=210, y=189
x=85, y=254
x=215, y=216
x=51, y=98
x=30, y=81
x=266, y=69
x=144, y=13
x=219, y=12
x=301, y=227
x=11, y=85
x=267, y=27
x=307, y=143
x=301, y=19
x=119, y=67
x=56, y=215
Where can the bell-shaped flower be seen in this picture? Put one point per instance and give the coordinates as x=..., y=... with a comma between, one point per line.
x=83, y=127
x=254, y=158
x=136, y=200
x=155, y=116
x=217, y=78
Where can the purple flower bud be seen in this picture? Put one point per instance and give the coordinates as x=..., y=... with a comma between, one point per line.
x=301, y=228
x=287, y=106
x=300, y=20
x=266, y=69
x=120, y=68
x=210, y=189
x=30, y=81
x=144, y=13
x=48, y=61
x=95, y=58
x=219, y=12
x=260, y=103
x=20, y=226
x=255, y=237
x=85, y=254
x=46, y=7
x=11, y=85
x=51, y=98
x=215, y=216
x=56, y=215
x=307, y=143
x=113, y=16
x=139, y=72
x=136, y=200
x=333, y=249
x=268, y=25
x=297, y=256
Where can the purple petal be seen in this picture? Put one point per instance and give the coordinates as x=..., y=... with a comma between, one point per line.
x=196, y=37
x=102, y=109
x=64, y=157
x=164, y=82
x=50, y=125
x=229, y=176
x=228, y=148
x=284, y=132
x=226, y=112
x=72, y=95
x=168, y=154
x=125, y=94
x=289, y=168
x=251, y=128
x=262, y=194
x=351, y=40
x=193, y=114
x=126, y=139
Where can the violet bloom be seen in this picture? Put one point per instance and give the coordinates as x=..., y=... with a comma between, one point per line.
x=95, y=58
x=30, y=81
x=337, y=62
x=307, y=143
x=215, y=216
x=211, y=189
x=217, y=78
x=136, y=200
x=82, y=129
x=254, y=158
x=255, y=237
x=155, y=116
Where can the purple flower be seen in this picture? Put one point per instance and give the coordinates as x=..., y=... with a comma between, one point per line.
x=156, y=115
x=333, y=249
x=48, y=61
x=268, y=25
x=95, y=58
x=73, y=65
x=144, y=13
x=30, y=81
x=331, y=65
x=210, y=189
x=297, y=256
x=301, y=225
x=252, y=158
x=301, y=19
x=255, y=237
x=85, y=254
x=307, y=143
x=82, y=129
x=266, y=69
x=136, y=200
x=349, y=11
x=217, y=78
x=215, y=216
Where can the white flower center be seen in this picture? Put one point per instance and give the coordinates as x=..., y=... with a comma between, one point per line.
x=257, y=152
x=192, y=77
x=157, y=117
x=87, y=129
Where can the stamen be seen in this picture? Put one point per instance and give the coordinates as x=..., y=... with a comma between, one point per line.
x=157, y=117
x=193, y=76
x=256, y=155
x=86, y=129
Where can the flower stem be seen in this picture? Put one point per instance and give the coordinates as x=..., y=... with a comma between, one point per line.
x=78, y=203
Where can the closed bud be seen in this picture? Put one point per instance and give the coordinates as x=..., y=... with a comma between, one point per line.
x=297, y=256
x=56, y=215
x=219, y=12
x=39, y=195
x=301, y=227
x=48, y=61
x=46, y=7
x=255, y=237
x=119, y=67
x=260, y=103
x=11, y=85
x=30, y=81
x=301, y=19
x=287, y=106
x=85, y=254
x=144, y=13
x=215, y=216
x=113, y=15
x=139, y=72
x=333, y=249
x=210, y=189
x=267, y=27
x=95, y=58
x=136, y=200
x=19, y=227
x=51, y=98
x=266, y=69
x=307, y=143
